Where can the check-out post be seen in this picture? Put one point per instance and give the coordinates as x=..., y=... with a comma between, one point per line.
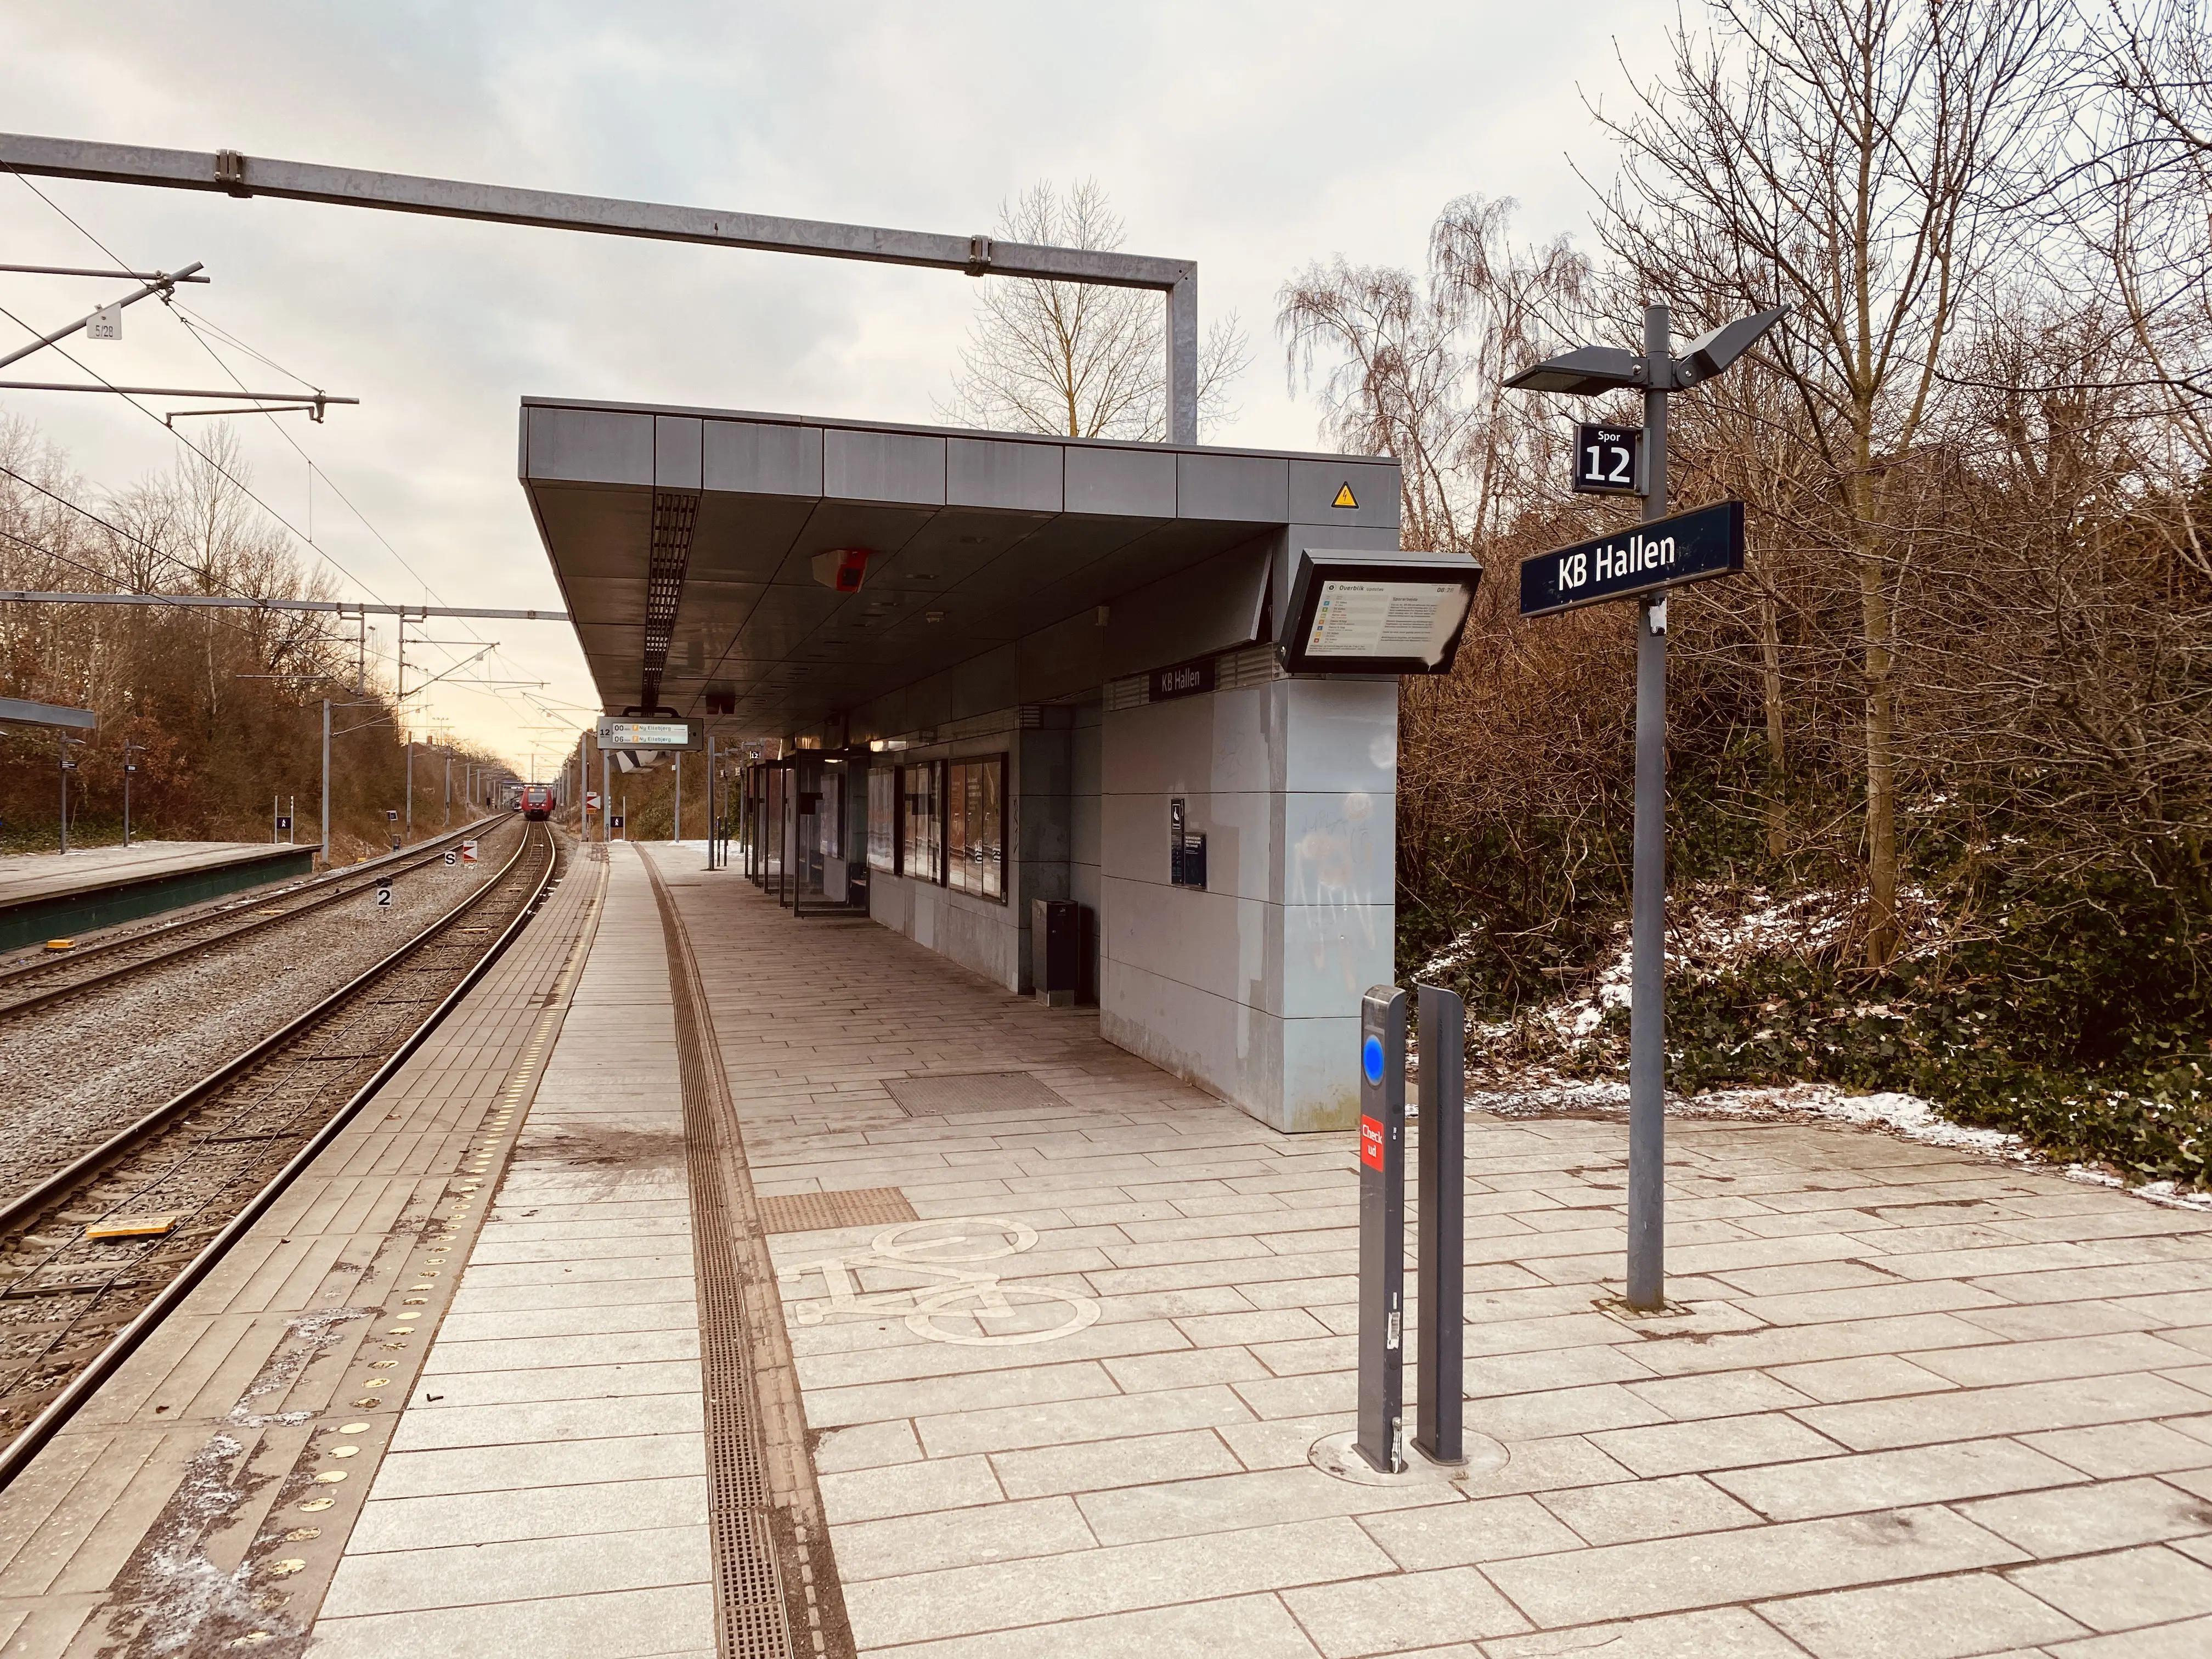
x=1381, y=1439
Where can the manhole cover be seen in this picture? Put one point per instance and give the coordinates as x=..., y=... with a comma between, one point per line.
x=976, y=1091
x=815, y=1212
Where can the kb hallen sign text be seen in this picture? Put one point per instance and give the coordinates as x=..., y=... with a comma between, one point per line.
x=1660, y=553
x=1184, y=679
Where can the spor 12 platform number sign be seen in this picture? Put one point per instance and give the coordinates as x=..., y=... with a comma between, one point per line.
x=1608, y=459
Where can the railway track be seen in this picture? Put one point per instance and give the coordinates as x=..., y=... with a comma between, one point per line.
x=93, y=1257
x=43, y=983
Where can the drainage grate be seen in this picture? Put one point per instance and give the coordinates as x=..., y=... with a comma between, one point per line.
x=777, y=1594
x=817, y=1212
x=976, y=1091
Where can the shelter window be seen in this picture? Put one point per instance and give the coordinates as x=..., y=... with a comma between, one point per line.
x=976, y=810
x=921, y=821
x=883, y=820
x=830, y=817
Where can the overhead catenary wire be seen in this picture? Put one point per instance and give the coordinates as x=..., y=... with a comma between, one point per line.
x=200, y=328
x=90, y=570
x=194, y=324
x=215, y=465
x=211, y=462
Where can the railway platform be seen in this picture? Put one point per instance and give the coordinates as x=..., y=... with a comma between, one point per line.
x=46, y=895
x=715, y=1275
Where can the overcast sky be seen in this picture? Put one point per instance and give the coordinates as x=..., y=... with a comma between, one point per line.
x=1252, y=137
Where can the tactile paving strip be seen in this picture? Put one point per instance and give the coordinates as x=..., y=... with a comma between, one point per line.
x=973, y=1091
x=816, y=1212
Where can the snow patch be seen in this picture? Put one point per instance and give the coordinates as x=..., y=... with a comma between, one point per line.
x=1541, y=1094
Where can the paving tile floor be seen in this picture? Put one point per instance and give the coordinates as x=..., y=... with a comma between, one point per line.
x=546, y=1492
x=1920, y=1404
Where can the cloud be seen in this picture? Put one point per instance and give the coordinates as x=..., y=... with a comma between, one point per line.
x=1253, y=138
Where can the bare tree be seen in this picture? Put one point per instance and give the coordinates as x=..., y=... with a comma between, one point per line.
x=1077, y=358
x=2139, y=206
x=1861, y=163
x=215, y=702
x=1417, y=368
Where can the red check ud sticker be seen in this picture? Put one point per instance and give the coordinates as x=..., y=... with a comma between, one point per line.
x=1370, y=1143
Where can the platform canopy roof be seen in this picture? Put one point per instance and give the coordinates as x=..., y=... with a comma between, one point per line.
x=687, y=543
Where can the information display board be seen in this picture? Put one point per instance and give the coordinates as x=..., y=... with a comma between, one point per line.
x=1386, y=619
x=626, y=734
x=1378, y=612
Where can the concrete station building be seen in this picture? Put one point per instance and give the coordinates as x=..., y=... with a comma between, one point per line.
x=1068, y=670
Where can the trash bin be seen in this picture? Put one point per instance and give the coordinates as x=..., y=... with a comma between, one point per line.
x=1055, y=962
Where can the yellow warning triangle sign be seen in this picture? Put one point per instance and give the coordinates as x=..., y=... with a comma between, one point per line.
x=1344, y=497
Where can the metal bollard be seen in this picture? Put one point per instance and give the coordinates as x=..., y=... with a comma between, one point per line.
x=1381, y=1438
x=1441, y=1183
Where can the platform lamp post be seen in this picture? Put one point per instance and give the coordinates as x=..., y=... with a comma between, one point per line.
x=68, y=765
x=326, y=783
x=129, y=769
x=1595, y=371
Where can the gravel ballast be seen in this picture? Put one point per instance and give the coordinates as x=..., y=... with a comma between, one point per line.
x=74, y=1075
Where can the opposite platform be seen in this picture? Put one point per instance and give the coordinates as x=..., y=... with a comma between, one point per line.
x=45, y=894
x=199, y=1498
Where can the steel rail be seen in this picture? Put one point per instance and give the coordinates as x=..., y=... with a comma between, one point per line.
x=19, y=1208
x=409, y=860
x=19, y=1452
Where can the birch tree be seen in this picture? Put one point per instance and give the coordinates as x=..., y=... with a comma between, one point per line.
x=1415, y=367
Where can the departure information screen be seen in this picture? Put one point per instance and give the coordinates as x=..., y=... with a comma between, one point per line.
x=648, y=734
x=1390, y=619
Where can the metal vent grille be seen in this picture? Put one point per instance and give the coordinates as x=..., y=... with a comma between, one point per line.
x=1130, y=691
x=1251, y=665
x=674, y=513
x=751, y=1611
x=776, y=1590
x=1256, y=665
x=817, y=1212
x=976, y=1091
x=750, y=1607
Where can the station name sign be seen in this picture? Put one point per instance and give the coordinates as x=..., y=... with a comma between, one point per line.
x=1182, y=679
x=1664, y=553
x=652, y=734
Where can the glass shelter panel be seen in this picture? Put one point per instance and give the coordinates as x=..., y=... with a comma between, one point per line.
x=921, y=821
x=976, y=855
x=830, y=816
x=772, y=815
x=883, y=819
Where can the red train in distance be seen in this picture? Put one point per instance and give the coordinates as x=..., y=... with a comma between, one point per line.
x=537, y=802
